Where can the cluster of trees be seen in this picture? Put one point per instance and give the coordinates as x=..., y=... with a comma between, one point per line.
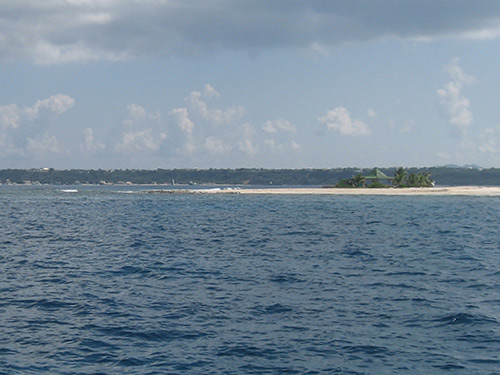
x=401, y=179
x=404, y=179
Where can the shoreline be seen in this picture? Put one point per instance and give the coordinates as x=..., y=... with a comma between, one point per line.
x=452, y=190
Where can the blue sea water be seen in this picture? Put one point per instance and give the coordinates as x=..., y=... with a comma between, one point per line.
x=101, y=281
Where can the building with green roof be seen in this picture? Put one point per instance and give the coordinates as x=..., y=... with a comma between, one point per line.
x=376, y=175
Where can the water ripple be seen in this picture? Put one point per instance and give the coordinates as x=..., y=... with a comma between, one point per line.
x=100, y=282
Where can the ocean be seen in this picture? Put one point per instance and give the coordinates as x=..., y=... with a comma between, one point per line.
x=109, y=280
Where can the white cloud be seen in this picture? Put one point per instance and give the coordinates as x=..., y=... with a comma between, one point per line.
x=56, y=103
x=90, y=143
x=457, y=73
x=247, y=144
x=137, y=113
x=9, y=116
x=451, y=100
x=456, y=106
x=277, y=125
x=371, y=113
x=281, y=147
x=45, y=145
x=13, y=126
x=216, y=146
x=215, y=116
x=281, y=131
x=210, y=92
x=183, y=121
x=142, y=140
x=339, y=119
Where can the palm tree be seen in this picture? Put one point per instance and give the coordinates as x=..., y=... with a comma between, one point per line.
x=399, y=177
x=423, y=180
x=356, y=181
x=359, y=180
x=411, y=180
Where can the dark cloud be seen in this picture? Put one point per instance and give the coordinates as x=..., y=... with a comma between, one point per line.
x=78, y=30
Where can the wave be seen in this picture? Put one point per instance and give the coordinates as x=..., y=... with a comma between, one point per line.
x=465, y=319
x=243, y=350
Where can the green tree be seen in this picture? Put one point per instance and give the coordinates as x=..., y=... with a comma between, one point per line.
x=399, y=177
x=359, y=180
x=411, y=180
x=423, y=180
x=356, y=181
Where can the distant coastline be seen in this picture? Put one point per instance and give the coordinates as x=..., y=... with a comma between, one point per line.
x=436, y=191
x=443, y=176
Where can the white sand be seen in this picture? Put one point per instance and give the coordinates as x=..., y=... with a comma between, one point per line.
x=454, y=190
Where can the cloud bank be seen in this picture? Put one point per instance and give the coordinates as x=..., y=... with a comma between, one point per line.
x=61, y=31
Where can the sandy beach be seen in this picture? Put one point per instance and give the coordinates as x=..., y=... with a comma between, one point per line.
x=453, y=190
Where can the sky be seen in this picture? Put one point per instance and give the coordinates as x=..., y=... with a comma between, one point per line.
x=249, y=83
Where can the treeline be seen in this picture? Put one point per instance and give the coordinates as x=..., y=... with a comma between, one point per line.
x=244, y=176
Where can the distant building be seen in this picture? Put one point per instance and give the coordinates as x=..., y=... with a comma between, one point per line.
x=376, y=175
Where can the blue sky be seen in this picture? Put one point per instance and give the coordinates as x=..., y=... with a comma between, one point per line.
x=240, y=83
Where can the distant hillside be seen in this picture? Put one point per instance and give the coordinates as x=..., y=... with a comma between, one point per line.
x=451, y=176
x=464, y=176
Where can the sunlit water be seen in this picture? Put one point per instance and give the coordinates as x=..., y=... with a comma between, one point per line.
x=101, y=282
